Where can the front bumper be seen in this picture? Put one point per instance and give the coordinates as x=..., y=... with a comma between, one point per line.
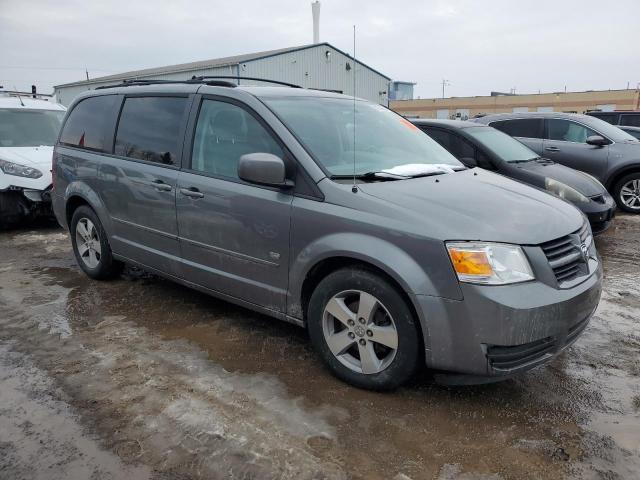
x=498, y=331
x=600, y=213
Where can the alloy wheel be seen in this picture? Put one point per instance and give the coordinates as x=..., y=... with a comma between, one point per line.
x=88, y=243
x=360, y=332
x=630, y=194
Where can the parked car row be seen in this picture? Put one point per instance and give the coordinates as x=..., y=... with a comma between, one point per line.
x=581, y=142
x=483, y=146
x=28, y=129
x=335, y=214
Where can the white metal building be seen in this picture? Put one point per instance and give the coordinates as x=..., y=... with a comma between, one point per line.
x=318, y=65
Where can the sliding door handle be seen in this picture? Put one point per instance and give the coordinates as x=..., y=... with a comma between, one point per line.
x=191, y=192
x=552, y=149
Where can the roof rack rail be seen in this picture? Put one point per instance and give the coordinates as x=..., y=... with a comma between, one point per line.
x=142, y=82
x=204, y=79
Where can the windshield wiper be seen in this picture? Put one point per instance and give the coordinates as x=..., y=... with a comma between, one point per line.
x=372, y=176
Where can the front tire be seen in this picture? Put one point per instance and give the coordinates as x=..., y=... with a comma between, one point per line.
x=363, y=329
x=91, y=246
x=627, y=193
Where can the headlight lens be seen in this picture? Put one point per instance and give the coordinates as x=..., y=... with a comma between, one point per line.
x=11, y=168
x=564, y=191
x=489, y=263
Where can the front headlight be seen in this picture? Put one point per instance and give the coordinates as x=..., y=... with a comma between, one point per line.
x=11, y=168
x=489, y=263
x=564, y=191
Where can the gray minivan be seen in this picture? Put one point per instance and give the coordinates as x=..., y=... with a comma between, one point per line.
x=332, y=213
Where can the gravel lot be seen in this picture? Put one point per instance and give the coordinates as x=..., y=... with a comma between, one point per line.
x=141, y=378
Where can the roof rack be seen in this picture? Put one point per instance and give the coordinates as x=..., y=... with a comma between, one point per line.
x=214, y=81
x=204, y=78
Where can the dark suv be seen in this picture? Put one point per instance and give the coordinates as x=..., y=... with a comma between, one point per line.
x=582, y=142
x=625, y=118
x=331, y=213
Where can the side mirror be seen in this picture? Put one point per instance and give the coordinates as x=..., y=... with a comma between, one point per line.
x=263, y=169
x=469, y=162
x=597, y=140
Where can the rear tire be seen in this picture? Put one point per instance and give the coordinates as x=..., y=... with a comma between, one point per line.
x=91, y=246
x=627, y=193
x=372, y=341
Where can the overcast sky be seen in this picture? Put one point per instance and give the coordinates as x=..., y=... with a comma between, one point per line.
x=478, y=46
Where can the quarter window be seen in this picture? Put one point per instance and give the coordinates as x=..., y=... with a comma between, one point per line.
x=149, y=129
x=224, y=133
x=567, y=131
x=86, y=125
x=521, y=127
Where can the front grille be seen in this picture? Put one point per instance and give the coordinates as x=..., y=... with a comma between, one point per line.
x=508, y=358
x=565, y=255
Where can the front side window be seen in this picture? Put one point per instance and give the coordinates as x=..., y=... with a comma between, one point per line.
x=567, y=131
x=521, y=127
x=224, y=133
x=383, y=139
x=29, y=128
x=502, y=145
x=149, y=129
x=85, y=126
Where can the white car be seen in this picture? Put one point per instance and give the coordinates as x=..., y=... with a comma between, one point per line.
x=28, y=129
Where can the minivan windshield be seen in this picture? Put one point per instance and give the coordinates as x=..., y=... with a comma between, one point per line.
x=384, y=141
x=504, y=146
x=29, y=128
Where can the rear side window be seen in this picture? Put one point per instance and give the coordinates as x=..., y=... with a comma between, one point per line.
x=567, y=131
x=87, y=122
x=521, y=127
x=456, y=146
x=611, y=118
x=630, y=120
x=440, y=136
x=150, y=129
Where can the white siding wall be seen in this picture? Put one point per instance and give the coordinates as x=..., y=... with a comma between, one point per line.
x=308, y=68
x=311, y=68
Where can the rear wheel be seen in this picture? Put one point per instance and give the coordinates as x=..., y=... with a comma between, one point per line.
x=627, y=193
x=90, y=245
x=363, y=329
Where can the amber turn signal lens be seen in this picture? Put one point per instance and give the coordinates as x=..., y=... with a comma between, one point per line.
x=470, y=263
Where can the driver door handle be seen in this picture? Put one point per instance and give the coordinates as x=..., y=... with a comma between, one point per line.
x=191, y=192
x=552, y=149
x=160, y=185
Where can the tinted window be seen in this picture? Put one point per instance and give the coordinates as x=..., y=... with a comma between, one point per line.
x=505, y=147
x=566, y=131
x=383, y=139
x=149, y=129
x=630, y=120
x=224, y=133
x=441, y=136
x=86, y=124
x=29, y=128
x=523, y=127
x=611, y=118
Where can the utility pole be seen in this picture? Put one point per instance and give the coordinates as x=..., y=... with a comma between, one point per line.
x=445, y=83
x=87, y=72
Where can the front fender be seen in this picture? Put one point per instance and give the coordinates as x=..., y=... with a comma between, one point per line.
x=380, y=253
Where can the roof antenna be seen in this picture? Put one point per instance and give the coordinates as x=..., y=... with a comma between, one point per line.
x=20, y=98
x=354, y=188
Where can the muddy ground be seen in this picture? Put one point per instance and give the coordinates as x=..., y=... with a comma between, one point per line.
x=141, y=378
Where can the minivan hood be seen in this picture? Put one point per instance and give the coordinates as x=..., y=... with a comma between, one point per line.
x=476, y=204
x=37, y=157
x=583, y=183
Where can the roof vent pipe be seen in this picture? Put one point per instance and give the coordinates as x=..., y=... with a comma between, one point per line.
x=315, y=10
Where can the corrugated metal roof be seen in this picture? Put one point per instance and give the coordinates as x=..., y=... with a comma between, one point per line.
x=203, y=64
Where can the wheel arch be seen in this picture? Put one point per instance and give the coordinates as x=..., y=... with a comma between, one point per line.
x=77, y=194
x=615, y=177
